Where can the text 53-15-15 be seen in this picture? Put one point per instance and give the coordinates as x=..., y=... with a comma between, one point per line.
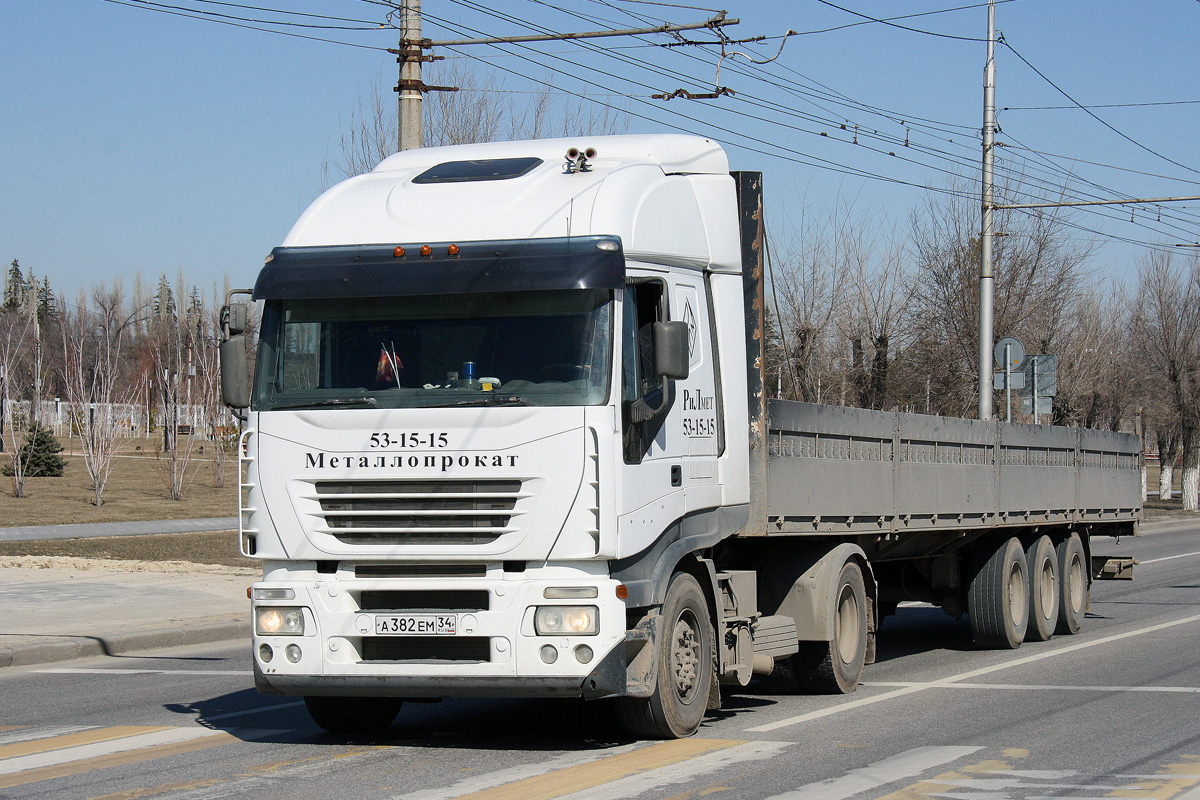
x=409, y=440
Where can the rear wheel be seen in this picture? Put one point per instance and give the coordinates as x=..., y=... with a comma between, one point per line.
x=998, y=596
x=353, y=714
x=1073, y=584
x=1043, y=589
x=685, y=668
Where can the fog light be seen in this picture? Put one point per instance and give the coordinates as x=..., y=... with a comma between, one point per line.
x=278, y=621
x=549, y=653
x=292, y=651
x=583, y=654
x=265, y=653
x=566, y=620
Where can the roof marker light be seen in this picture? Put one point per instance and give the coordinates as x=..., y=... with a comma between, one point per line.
x=452, y=250
x=426, y=251
x=398, y=252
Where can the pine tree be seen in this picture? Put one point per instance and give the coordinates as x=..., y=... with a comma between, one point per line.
x=14, y=287
x=40, y=453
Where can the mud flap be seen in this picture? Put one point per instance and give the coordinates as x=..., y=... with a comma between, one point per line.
x=641, y=662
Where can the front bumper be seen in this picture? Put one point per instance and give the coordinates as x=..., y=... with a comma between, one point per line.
x=495, y=651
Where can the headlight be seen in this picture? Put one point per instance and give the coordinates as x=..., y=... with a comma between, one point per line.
x=567, y=620
x=278, y=621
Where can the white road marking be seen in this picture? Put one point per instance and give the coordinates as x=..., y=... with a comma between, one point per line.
x=478, y=783
x=66, y=755
x=30, y=734
x=1168, y=558
x=1039, y=688
x=899, y=767
x=259, y=710
x=962, y=676
x=681, y=772
x=98, y=671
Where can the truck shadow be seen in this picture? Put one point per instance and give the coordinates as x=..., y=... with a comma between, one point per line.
x=921, y=630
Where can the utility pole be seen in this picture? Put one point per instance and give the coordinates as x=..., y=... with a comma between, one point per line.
x=410, y=85
x=410, y=56
x=987, y=278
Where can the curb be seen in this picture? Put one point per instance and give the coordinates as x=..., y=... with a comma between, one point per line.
x=70, y=648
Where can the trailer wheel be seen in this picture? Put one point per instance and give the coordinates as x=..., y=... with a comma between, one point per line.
x=835, y=667
x=998, y=596
x=685, y=668
x=1073, y=584
x=353, y=714
x=1044, y=590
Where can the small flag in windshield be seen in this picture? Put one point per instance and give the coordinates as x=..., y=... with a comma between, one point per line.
x=389, y=363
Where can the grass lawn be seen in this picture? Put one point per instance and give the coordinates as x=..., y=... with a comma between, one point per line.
x=136, y=490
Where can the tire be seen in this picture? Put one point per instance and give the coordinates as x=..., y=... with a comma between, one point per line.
x=998, y=596
x=835, y=667
x=1044, y=590
x=353, y=714
x=684, y=664
x=1073, y=584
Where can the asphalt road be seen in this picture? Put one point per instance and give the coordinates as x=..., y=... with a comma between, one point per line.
x=1112, y=712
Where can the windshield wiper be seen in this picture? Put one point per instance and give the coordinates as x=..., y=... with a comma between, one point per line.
x=489, y=400
x=336, y=401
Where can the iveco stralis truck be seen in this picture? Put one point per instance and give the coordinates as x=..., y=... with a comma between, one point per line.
x=507, y=436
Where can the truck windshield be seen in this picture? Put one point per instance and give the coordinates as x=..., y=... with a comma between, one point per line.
x=519, y=348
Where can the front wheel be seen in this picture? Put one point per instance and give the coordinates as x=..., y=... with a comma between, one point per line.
x=353, y=714
x=685, y=668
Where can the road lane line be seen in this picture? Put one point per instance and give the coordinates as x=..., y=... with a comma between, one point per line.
x=1041, y=688
x=23, y=733
x=133, y=750
x=489, y=780
x=962, y=676
x=63, y=741
x=1168, y=558
x=259, y=710
x=899, y=767
x=100, y=671
x=642, y=782
x=571, y=780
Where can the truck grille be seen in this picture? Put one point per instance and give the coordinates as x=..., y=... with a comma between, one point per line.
x=418, y=512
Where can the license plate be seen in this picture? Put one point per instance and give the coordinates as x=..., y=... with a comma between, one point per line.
x=416, y=624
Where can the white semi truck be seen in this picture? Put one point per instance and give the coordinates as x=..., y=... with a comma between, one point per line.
x=508, y=436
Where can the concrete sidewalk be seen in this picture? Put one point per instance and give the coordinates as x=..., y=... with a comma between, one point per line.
x=60, y=609
x=92, y=529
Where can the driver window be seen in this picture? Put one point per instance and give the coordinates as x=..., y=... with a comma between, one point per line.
x=643, y=306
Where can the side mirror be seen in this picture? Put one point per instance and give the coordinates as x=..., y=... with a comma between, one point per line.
x=671, y=360
x=236, y=317
x=235, y=375
x=672, y=356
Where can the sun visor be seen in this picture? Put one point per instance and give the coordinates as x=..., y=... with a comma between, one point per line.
x=579, y=262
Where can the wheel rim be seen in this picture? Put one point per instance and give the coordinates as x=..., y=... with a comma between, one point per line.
x=847, y=625
x=685, y=656
x=1046, y=586
x=1016, y=594
x=1075, y=585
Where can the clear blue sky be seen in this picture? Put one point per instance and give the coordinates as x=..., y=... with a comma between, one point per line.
x=140, y=141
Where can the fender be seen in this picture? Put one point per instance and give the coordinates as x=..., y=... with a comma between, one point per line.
x=799, y=581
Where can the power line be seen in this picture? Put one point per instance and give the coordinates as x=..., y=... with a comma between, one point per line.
x=1090, y=113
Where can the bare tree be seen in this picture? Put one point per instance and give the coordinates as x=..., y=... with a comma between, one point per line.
x=173, y=339
x=805, y=292
x=16, y=333
x=1167, y=319
x=482, y=110
x=1039, y=267
x=96, y=378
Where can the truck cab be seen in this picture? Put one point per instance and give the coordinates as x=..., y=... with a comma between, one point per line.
x=488, y=413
